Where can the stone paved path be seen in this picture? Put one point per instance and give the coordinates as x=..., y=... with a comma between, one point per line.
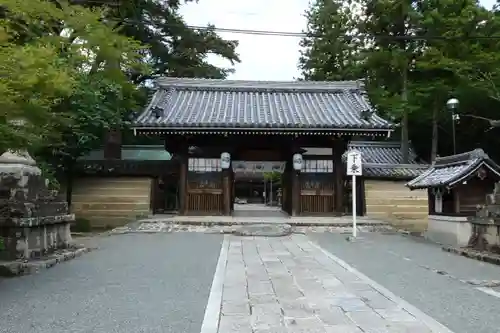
x=274, y=285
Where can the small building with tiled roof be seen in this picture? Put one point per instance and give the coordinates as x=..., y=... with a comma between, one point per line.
x=457, y=187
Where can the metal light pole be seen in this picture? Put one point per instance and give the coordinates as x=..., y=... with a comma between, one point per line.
x=452, y=105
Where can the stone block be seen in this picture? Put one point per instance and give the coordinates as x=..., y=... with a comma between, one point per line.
x=343, y=329
x=230, y=324
x=33, y=220
x=396, y=315
x=367, y=319
x=299, y=325
x=263, y=299
x=297, y=308
x=333, y=316
x=260, y=287
x=235, y=308
x=266, y=316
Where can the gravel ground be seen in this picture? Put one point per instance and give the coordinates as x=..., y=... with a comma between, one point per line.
x=439, y=283
x=132, y=283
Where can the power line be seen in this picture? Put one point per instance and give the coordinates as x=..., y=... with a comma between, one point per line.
x=252, y=32
x=344, y=36
x=114, y=3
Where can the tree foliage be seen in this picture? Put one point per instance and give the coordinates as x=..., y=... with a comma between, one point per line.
x=328, y=53
x=440, y=44
x=175, y=49
x=73, y=69
x=64, y=78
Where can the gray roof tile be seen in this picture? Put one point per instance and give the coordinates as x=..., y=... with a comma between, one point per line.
x=450, y=170
x=209, y=104
x=385, y=152
x=382, y=159
x=392, y=171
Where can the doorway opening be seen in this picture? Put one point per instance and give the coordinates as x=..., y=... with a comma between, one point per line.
x=165, y=195
x=257, y=188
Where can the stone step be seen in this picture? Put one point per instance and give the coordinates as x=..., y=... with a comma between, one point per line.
x=294, y=221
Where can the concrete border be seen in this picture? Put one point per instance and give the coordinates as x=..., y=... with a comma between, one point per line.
x=434, y=325
x=212, y=311
x=490, y=258
x=18, y=268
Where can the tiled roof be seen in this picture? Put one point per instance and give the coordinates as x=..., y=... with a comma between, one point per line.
x=393, y=171
x=450, y=170
x=385, y=152
x=382, y=159
x=202, y=104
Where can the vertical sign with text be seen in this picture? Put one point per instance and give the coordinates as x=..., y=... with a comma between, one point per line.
x=354, y=169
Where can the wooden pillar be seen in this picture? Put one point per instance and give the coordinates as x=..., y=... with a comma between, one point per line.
x=339, y=147
x=287, y=189
x=233, y=185
x=183, y=179
x=226, y=192
x=431, y=201
x=294, y=181
x=456, y=200
x=360, y=193
x=295, y=192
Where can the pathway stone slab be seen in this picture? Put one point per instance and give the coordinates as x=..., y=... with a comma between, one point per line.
x=290, y=285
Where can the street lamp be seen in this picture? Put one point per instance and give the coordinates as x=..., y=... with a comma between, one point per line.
x=452, y=105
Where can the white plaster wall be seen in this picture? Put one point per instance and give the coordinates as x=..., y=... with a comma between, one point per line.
x=448, y=230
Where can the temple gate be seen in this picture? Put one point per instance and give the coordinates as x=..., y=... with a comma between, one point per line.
x=208, y=124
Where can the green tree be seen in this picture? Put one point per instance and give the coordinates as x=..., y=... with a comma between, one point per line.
x=415, y=54
x=273, y=176
x=452, y=63
x=175, y=49
x=389, y=56
x=328, y=52
x=80, y=84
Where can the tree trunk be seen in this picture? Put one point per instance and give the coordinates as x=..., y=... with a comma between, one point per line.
x=435, y=135
x=68, y=173
x=405, y=141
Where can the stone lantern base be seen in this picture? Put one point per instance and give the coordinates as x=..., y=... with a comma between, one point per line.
x=33, y=222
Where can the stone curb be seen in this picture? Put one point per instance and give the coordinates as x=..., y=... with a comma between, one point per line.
x=213, y=309
x=473, y=254
x=292, y=223
x=18, y=268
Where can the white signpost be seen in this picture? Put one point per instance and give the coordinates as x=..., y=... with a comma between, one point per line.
x=354, y=169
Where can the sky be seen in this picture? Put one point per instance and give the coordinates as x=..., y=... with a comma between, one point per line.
x=262, y=57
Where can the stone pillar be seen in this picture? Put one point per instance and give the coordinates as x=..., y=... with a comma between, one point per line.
x=339, y=147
